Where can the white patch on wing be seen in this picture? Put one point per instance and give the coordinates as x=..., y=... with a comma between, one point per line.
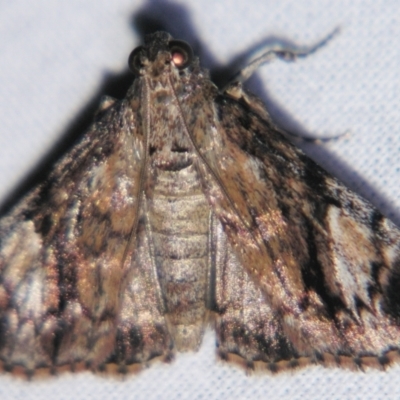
x=352, y=256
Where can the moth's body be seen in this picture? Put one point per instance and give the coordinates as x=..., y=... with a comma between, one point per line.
x=182, y=201
x=178, y=219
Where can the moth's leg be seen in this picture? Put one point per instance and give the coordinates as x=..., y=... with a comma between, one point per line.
x=235, y=86
x=246, y=325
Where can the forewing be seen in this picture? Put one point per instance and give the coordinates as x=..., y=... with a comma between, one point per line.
x=326, y=261
x=64, y=250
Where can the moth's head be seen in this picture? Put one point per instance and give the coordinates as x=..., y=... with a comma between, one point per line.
x=160, y=53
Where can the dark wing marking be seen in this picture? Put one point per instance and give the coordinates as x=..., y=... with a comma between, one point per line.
x=64, y=252
x=326, y=262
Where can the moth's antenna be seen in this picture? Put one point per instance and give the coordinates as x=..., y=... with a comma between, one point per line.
x=282, y=52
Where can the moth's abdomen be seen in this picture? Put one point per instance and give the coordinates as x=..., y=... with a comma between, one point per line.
x=179, y=224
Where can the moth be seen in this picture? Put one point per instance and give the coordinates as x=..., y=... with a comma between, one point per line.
x=183, y=206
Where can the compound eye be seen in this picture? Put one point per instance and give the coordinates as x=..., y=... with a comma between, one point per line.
x=135, y=60
x=181, y=53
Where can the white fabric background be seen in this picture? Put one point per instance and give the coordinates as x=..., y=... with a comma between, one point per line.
x=54, y=59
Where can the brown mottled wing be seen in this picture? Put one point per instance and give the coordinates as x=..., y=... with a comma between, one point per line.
x=246, y=324
x=65, y=254
x=321, y=265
